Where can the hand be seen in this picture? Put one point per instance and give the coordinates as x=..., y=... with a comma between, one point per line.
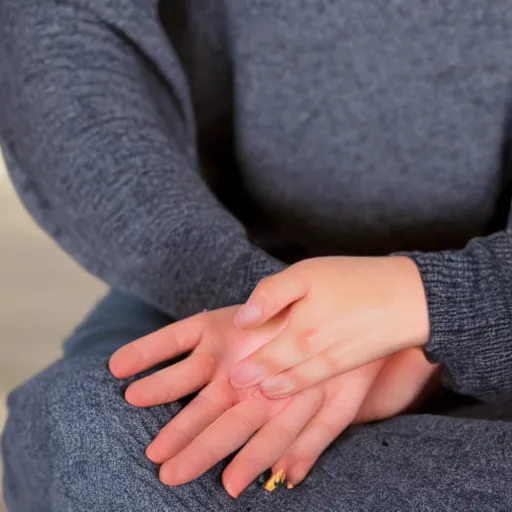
x=341, y=313
x=220, y=419
x=372, y=392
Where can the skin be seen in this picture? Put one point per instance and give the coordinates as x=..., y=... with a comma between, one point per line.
x=289, y=433
x=342, y=313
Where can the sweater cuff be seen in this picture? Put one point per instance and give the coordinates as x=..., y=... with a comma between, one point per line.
x=469, y=328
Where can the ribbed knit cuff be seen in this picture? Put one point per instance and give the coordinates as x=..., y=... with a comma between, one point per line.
x=469, y=326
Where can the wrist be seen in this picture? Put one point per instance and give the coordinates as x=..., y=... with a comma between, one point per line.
x=410, y=305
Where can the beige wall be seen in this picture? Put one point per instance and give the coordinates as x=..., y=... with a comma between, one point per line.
x=43, y=294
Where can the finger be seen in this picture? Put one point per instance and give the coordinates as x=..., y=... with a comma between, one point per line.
x=221, y=438
x=304, y=453
x=288, y=349
x=156, y=347
x=197, y=416
x=334, y=417
x=271, y=296
x=172, y=383
x=340, y=358
x=271, y=441
x=298, y=378
x=396, y=385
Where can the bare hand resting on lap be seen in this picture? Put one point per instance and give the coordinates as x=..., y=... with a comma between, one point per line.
x=289, y=433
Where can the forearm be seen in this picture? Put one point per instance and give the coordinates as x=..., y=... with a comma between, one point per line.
x=105, y=161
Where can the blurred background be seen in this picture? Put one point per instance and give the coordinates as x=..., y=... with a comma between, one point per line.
x=43, y=294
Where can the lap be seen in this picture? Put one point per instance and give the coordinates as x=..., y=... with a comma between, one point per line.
x=115, y=321
x=73, y=443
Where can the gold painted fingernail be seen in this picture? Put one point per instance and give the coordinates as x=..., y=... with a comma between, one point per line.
x=274, y=480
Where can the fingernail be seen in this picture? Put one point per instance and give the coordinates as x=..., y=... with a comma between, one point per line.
x=230, y=491
x=247, y=374
x=149, y=453
x=166, y=476
x=115, y=368
x=248, y=314
x=128, y=394
x=275, y=480
x=277, y=385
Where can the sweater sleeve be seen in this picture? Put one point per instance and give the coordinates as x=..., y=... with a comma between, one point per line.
x=469, y=295
x=102, y=152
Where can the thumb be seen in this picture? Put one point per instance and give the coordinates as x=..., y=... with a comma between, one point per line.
x=270, y=297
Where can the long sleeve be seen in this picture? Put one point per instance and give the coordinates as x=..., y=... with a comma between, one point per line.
x=98, y=133
x=469, y=295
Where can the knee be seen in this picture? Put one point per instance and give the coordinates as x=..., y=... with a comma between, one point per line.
x=71, y=435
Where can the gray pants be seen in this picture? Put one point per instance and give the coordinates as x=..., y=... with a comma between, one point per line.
x=73, y=444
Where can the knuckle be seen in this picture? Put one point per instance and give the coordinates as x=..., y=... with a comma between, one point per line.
x=307, y=340
x=219, y=404
x=203, y=398
x=135, y=351
x=283, y=434
x=331, y=362
x=296, y=280
x=177, y=431
x=173, y=341
x=263, y=289
x=160, y=391
x=326, y=430
x=245, y=420
x=211, y=453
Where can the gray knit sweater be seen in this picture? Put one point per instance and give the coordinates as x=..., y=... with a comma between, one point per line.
x=182, y=151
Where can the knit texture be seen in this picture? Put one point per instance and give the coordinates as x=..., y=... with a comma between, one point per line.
x=182, y=151
x=73, y=444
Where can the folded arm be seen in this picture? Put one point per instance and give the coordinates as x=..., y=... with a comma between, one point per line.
x=102, y=151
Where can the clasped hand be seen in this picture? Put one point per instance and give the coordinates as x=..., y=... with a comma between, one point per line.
x=341, y=313
x=342, y=334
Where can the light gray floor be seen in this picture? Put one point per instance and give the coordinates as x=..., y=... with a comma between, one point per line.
x=42, y=295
